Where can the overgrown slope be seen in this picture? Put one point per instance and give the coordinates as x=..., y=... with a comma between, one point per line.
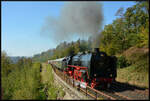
x=137, y=72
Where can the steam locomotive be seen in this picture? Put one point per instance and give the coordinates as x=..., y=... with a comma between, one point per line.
x=94, y=69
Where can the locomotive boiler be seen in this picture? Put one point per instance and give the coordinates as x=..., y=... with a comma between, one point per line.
x=95, y=69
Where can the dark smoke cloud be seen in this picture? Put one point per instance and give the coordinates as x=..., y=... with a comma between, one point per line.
x=81, y=18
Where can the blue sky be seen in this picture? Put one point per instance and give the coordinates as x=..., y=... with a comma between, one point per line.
x=22, y=23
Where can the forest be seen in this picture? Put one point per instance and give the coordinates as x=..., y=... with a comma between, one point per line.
x=20, y=80
x=127, y=38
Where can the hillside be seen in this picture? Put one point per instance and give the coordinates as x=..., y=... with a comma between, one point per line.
x=137, y=72
x=63, y=49
x=15, y=59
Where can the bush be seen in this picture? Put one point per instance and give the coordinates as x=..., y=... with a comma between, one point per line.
x=122, y=62
x=142, y=64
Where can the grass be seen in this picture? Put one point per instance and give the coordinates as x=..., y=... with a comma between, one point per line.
x=129, y=75
x=137, y=72
x=54, y=91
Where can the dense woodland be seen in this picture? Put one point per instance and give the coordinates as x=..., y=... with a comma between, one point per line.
x=20, y=80
x=127, y=38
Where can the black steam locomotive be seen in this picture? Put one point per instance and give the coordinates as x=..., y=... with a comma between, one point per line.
x=95, y=69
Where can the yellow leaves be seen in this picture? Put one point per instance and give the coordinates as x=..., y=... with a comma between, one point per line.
x=143, y=37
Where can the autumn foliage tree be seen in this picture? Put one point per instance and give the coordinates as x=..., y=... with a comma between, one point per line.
x=130, y=29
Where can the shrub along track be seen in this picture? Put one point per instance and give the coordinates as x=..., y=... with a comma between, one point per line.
x=109, y=94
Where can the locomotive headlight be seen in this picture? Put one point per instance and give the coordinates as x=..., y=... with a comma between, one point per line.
x=102, y=54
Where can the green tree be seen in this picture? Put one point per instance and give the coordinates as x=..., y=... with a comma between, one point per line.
x=130, y=29
x=77, y=47
x=5, y=64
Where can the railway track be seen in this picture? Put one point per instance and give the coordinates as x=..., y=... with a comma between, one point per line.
x=108, y=94
x=136, y=89
x=130, y=92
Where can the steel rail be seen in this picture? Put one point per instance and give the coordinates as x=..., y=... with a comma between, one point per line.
x=101, y=93
x=90, y=94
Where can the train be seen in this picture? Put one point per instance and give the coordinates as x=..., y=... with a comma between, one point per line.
x=95, y=69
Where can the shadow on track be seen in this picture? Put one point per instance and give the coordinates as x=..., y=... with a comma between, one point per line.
x=120, y=87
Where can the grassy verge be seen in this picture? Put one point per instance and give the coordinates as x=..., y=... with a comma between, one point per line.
x=129, y=75
x=53, y=91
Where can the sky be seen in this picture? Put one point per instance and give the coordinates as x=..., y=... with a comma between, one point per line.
x=22, y=22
